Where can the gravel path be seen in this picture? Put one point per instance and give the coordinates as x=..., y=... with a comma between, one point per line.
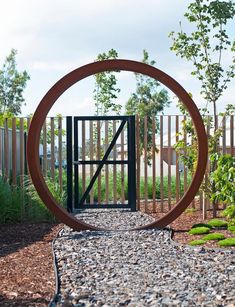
x=138, y=268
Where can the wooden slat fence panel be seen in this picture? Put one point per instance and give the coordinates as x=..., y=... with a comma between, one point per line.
x=185, y=168
x=44, y=161
x=177, y=173
x=83, y=156
x=14, y=152
x=106, y=166
x=114, y=166
x=232, y=149
x=98, y=158
x=52, y=125
x=224, y=135
x=12, y=161
x=60, y=153
x=6, y=150
x=122, y=168
x=154, y=163
x=91, y=158
x=169, y=162
x=146, y=163
x=161, y=164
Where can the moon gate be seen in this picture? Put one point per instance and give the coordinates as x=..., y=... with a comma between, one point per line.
x=65, y=83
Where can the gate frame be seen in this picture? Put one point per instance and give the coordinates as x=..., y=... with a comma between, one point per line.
x=73, y=164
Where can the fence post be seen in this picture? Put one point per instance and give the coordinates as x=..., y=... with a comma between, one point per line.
x=169, y=157
x=132, y=163
x=154, y=163
x=161, y=163
x=14, y=151
x=138, y=161
x=52, y=123
x=6, y=150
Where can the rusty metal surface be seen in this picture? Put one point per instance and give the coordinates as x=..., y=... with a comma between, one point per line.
x=65, y=83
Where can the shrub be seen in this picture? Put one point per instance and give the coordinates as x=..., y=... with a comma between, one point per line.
x=216, y=223
x=201, y=225
x=223, y=179
x=11, y=203
x=196, y=242
x=232, y=229
x=199, y=231
x=227, y=242
x=18, y=204
x=229, y=213
x=213, y=236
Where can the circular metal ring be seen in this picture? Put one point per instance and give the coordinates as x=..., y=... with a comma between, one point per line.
x=90, y=69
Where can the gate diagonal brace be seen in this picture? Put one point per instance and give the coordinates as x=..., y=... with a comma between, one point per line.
x=102, y=162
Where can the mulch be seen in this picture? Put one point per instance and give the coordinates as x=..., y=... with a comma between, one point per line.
x=26, y=260
x=26, y=264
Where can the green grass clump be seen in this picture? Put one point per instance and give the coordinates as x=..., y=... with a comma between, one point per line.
x=217, y=223
x=213, y=236
x=227, y=242
x=196, y=242
x=199, y=231
x=232, y=228
x=201, y=225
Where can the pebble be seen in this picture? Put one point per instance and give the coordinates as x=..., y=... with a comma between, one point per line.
x=138, y=268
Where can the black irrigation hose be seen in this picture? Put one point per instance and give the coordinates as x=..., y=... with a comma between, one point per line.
x=54, y=300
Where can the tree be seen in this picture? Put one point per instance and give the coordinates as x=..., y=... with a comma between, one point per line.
x=147, y=101
x=105, y=88
x=205, y=48
x=12, y=84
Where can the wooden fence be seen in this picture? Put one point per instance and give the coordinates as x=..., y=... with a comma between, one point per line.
x=162, y=178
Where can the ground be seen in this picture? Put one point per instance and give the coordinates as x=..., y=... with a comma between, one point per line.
x=26, y=261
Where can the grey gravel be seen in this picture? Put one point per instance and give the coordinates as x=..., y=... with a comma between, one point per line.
x=138, y=268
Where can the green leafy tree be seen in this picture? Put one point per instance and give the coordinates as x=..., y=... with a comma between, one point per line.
x=106, y=89
x=12, y=85
x=147, y=101
x=205, y=48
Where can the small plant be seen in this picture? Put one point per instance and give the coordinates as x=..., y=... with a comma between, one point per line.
x=229, y=213
x=232, y=228
x=213, y=237
x=190, y=210
x=227, y=242
x=201, y=225
x=216, y=223
x=199, y=231
x=223, y=178
x=196, y=242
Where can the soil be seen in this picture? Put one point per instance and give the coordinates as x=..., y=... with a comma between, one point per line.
x=26, y=260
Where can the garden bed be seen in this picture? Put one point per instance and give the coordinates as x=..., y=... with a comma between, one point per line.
x=26, y=261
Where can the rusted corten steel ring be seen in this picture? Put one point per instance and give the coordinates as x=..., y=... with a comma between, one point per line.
x=85, y=71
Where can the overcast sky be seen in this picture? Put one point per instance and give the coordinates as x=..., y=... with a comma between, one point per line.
x=56, y=36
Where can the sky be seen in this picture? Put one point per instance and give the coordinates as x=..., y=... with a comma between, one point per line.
x=54, y=37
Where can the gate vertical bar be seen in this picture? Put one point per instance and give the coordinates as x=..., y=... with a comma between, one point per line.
x=131, y=163
x=76, y=165
x=69, y=153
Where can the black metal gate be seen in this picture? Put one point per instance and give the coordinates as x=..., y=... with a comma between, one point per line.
x=81, y=200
